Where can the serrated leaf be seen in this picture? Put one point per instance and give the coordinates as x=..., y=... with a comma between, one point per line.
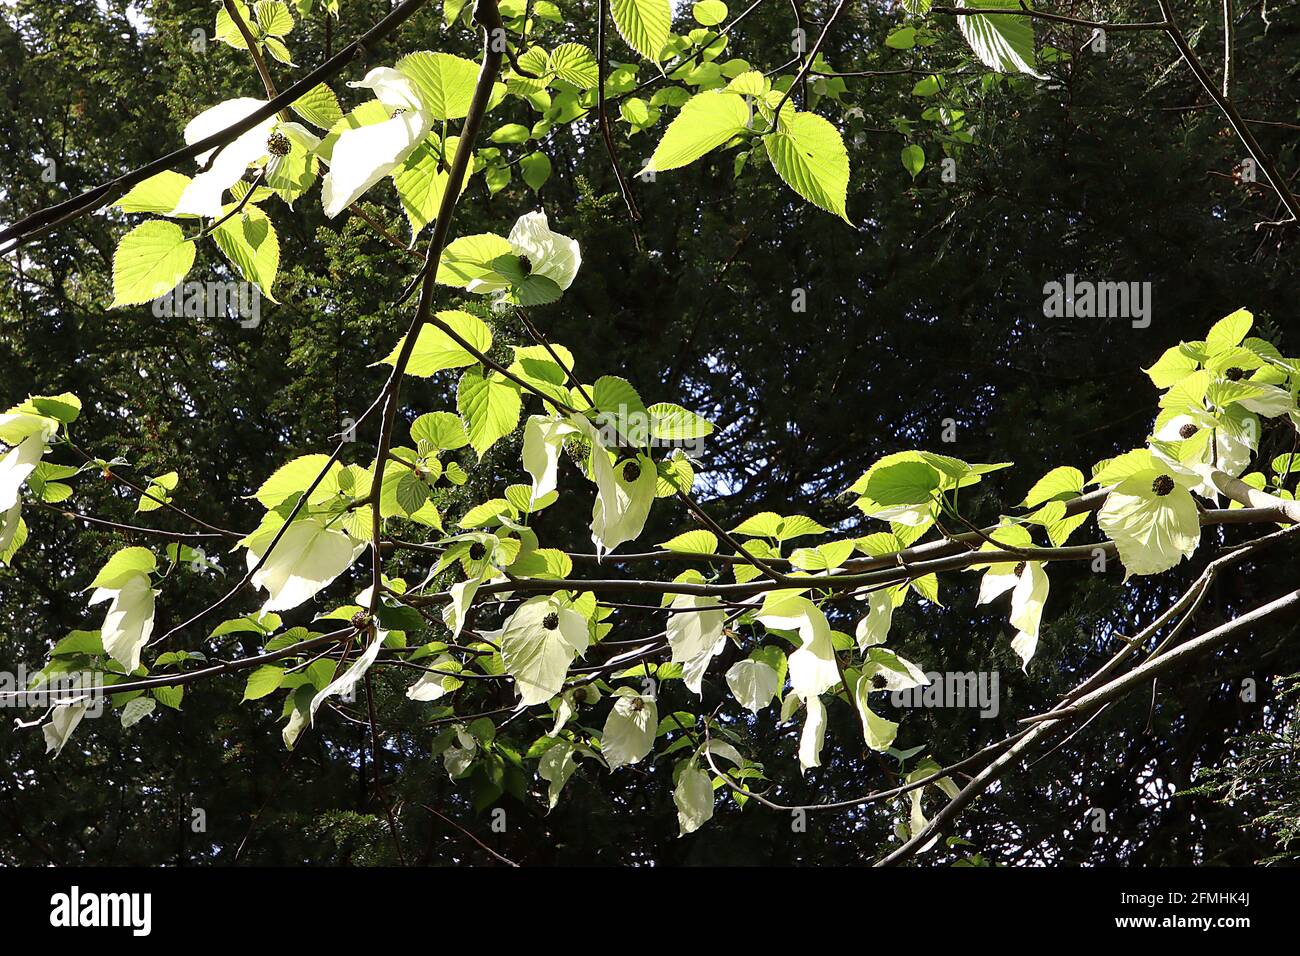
x=1228, y=332
x=444, y=83
x=250, y=242
x=158, y=193
x=913, y=159
x=435, y=350
x=490, y=406
x=707, y=121
x=150, y=260
x=644, y=24
x=263, y=681
x=573, y=63
x=692, y=542
x=1002, y=42
x=441, y=430
x=319, y=106
x=535, y=168
x=1063, y=482
x=808, y=154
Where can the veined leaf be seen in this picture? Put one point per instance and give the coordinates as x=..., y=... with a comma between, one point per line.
x=644, y=24
x=707, y=121
x=808, y=154
x=150, y=260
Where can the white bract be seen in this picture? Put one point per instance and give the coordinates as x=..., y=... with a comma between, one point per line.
x=366, y=154
x=63, y=721
x=306, y=560
x=27, y=435
x=543, y=440
x=538, y=644
x=346, y=683
x=753, y=683
x=629, y=733
x=693, y=796
x=812, y=667
x=545, y=253
x=622, y=506
x=1028, y=584
x=878, y=731
x=556, y=767
x=205, y=193
x=873, y=627
x=1152, y=518
x=129, y=622
x=695, y=626
x=813, y=735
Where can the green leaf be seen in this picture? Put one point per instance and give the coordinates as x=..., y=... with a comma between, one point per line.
x=319, y=106
x=903, y=483
x=904, y=38
x=150, y=260
x=160, y=488
x=79, y=642
x=1228, y=332
x=278, y=50
x=435, y=350
x=250, y=243
x=808, y=154
x=422, y=179
x=411, y=492
x=1059, y=483
x=444, y=83
x=295, y=478
x=669, y=422
x=263, y=681
x=766, y=524
x=536, y=170
x=913, y=159
x=226, y=30
x=1004, y=43
x=573, y=63
x=158, y=193
x=169, y=696
x=124, y=565
x=510, y=133
x=274, y=17
x=707, y=121
x=644, y=24
x=709, y=13
x=472, y=257
x=440, y=430
x=490, y=406
x=614, y=394
x=692, y=542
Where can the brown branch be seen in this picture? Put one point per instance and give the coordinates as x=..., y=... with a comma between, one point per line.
x=602, y=65
x=489, y=17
